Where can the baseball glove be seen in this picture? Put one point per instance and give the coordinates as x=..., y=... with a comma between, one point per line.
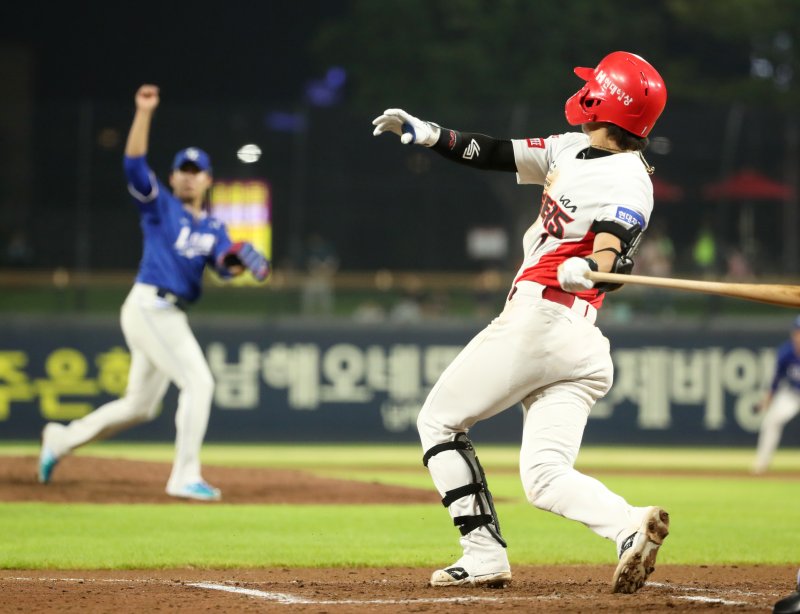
x=245, y=255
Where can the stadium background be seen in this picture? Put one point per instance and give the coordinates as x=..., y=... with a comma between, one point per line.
x=407, y=242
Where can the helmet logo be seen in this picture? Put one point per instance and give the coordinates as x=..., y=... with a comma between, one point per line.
x=612, y=88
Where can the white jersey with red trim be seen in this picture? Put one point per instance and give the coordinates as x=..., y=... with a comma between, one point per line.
x=577, y=193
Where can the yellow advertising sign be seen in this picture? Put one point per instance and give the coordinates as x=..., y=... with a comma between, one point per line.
x=246, y=209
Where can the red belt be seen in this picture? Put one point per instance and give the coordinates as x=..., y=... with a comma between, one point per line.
x=552, y=294
x=559, y=296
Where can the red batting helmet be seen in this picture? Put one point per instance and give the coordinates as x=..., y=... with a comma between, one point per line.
x=624, y=90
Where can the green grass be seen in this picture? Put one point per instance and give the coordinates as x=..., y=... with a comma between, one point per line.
x=724, y=518
x=408, y=457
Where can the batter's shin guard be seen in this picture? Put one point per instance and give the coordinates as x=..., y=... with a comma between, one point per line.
x=486, y=516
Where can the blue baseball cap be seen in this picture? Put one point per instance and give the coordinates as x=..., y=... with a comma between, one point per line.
x=192, y=155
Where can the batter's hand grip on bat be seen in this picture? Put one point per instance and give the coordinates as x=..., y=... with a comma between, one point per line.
x=571, y=275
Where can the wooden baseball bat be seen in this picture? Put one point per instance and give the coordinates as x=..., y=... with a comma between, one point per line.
x=773, y=294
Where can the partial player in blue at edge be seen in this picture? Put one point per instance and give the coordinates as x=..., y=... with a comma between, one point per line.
x=180, y=240
x=782, y=402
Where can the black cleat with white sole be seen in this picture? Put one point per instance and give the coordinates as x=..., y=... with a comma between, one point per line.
x=458, y=576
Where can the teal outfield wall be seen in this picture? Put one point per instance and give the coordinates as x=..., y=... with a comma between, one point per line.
x=296, y=381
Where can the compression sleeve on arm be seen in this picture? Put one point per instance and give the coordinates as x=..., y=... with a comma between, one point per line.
x=476, y=150
x=140, y=178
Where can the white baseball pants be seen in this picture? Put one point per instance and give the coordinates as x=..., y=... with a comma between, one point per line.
x=557, y=364
x=163, y=349
x=784, y=406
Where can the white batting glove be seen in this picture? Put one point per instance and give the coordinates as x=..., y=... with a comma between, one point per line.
x=571, y=275
x=407, y=127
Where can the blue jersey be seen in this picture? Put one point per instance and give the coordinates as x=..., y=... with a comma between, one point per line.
x=788, y=367
x=177, y=245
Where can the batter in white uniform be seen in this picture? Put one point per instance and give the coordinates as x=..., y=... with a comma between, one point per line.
x=544, y=349
x=180, y=240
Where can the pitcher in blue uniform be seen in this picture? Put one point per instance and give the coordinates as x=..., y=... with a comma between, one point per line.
x=782, y=402
x=180, y=240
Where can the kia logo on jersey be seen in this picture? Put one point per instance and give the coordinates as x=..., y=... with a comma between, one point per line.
x=537, y=143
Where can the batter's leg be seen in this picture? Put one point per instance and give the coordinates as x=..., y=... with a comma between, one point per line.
x=480, y=383
x=784, y=406
x=554, y=422
x=484, y=561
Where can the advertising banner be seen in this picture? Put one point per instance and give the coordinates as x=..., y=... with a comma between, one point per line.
x=341, y=382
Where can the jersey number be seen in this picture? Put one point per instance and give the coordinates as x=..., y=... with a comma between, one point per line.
x=553, y=217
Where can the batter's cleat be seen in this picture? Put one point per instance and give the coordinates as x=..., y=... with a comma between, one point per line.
x=791, y=603
x=459, y=576
x=637, y=556
x=200, y=491
x=484, y=563
x=47, y=458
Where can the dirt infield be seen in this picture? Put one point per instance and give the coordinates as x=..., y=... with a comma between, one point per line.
x=534, y=589
x=573, y=589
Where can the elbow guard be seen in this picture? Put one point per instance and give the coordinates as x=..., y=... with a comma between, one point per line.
x=623, y=261
x=622, y=264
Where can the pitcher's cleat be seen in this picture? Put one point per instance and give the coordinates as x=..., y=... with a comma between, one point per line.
x=47, y=458
x=199, y=491
x=47, y=462
x=637, y=556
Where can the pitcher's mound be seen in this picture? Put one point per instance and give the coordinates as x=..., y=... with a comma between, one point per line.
x=83, y=479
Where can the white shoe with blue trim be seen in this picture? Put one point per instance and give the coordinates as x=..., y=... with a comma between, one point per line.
x=199, y=491
x=48, y=459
